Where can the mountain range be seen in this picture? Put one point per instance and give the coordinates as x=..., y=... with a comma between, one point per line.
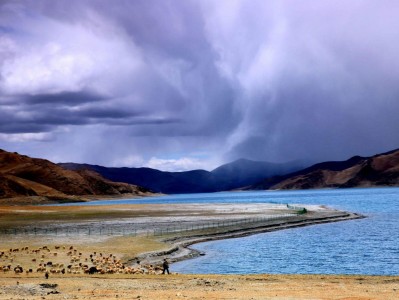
x=242, y=172
x=22, y=176
x=378, y=170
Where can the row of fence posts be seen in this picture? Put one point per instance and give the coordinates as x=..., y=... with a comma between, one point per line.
x=70, y=231
x=217, y=224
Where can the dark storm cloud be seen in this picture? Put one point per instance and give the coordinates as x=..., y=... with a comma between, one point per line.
x=64, y=98
x=266, y=80
x=22, y=118
x=317, y=89
x=23, y=127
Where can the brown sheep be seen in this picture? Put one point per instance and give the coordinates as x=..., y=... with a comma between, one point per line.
x=41, y=269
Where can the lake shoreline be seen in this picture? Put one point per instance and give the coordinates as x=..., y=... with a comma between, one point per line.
x=181, y=250
x=206, y=208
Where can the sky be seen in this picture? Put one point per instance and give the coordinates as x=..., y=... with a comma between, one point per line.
x=182, y=84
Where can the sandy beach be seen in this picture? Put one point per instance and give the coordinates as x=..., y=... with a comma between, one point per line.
x=202, y=287
x=122, y=251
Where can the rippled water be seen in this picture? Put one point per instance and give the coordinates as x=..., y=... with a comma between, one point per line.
x=366, y=246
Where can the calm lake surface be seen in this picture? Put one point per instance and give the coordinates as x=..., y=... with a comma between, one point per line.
x=367, y=246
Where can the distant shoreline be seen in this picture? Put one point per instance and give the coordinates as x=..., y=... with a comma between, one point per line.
x=40, y=200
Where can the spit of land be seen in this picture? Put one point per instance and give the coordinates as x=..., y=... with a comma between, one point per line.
x=124, y=246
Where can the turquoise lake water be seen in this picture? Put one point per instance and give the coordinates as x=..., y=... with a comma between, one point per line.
x=366, y=246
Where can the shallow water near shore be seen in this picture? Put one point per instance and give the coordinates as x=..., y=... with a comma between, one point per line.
x=367, y=246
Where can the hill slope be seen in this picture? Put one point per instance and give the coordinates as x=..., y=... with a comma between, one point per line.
x=378, y=170
x=21, y=175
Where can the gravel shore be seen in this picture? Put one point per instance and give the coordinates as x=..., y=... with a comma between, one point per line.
x=164, y=287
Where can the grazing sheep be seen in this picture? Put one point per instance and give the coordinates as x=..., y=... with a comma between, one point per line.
x=18, y=269
x=41, y=269
x=80, y=263
x=5, y=269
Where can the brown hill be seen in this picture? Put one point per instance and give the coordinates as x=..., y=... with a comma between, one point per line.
x=378, y=170
x=23, y=176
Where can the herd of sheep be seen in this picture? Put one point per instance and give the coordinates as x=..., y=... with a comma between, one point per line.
x=67, y=260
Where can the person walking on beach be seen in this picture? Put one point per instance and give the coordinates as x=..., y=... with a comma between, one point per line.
x=165, y=266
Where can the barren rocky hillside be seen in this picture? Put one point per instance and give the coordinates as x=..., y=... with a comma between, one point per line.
x=21, y=175
x=378, y=170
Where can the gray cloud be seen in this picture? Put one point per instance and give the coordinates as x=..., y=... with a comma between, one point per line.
x=63, y=98
x=210, y=81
